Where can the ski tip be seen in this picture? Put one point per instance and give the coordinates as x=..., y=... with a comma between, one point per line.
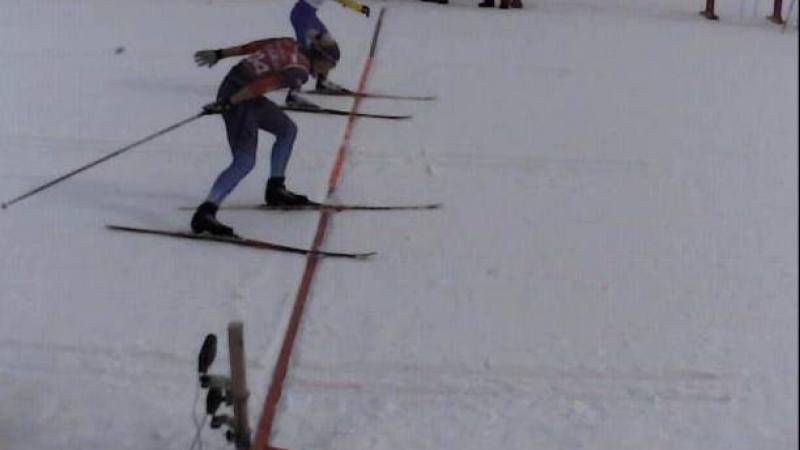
x=329, y=254
x=120, y=228
x=365, y=256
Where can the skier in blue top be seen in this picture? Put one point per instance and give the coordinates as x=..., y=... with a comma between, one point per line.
x=308, y=28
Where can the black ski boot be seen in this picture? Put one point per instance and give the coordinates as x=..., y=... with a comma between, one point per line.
x=328, y=86
x=295, y=101
x=320, y=83
x=486, y=4
x=277, y=194
x=205, y=219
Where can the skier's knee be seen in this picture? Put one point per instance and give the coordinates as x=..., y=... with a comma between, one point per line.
x=245, y=163
x=290, y=130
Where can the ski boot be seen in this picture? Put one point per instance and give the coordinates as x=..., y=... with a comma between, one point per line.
x=205, y=220
x=277, y=195
x=516, y=4
x=503, y=4
x=295, y=101
x=329, y=87
x=486, y=4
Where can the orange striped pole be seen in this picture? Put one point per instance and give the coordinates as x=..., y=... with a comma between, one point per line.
x=265, y=423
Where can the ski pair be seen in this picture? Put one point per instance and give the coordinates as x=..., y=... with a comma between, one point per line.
x=295, y=102
x=349, y=93
x=316, y=206
x=342, y=112
x=266, y=245
x=240, y=241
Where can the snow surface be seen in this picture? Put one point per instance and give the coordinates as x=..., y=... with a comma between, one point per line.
x=615, y=265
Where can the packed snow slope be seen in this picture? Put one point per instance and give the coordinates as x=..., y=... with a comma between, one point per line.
x=614, y=267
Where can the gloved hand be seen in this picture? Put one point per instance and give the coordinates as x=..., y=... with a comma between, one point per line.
x=207, y=57
x=365, y=10
x=218, y=107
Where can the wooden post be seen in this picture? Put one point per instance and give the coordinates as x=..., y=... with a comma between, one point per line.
x=708, y=13
x=241, y=430
x=777, y=10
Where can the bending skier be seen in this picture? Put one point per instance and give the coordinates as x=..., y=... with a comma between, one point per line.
x=272, y=64
x=307, y=28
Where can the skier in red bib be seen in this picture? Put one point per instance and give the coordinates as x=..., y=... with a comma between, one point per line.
x=270, y=64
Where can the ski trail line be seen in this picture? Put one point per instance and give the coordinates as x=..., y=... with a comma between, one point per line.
x=264, y=427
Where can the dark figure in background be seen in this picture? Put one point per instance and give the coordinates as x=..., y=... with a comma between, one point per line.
x=504, y=4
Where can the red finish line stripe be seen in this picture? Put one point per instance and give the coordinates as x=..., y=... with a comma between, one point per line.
x=362, y=83
x=265, y=423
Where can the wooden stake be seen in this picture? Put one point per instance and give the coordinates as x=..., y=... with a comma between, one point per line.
x=241, y=431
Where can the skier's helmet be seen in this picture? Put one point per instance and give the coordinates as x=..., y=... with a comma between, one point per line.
x=323, y=46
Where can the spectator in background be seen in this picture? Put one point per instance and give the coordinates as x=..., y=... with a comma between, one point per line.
x=504, y=4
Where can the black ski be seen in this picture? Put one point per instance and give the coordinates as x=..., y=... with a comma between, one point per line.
x=245, y=242
x=423, y=98
x=326, y=207
x=341, y=112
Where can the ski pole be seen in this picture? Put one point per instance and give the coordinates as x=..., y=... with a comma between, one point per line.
x=98, y=161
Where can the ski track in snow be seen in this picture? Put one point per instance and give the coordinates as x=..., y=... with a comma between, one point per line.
x=582, y=384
